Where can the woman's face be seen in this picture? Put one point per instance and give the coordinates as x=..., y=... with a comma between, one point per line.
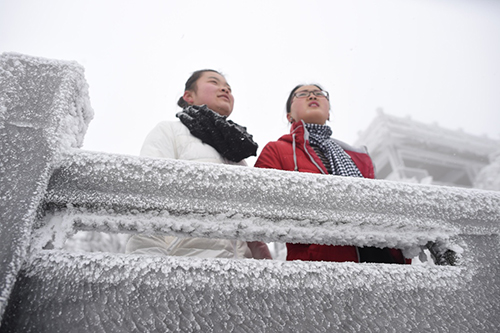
x=212, y=90
x=311, y=109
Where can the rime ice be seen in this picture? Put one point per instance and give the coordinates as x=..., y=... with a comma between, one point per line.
x=50, y=189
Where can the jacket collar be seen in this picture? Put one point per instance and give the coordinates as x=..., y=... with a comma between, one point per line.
x=297, y=130
x=299, y=137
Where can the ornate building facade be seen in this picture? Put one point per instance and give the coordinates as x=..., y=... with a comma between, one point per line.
x=403, y=149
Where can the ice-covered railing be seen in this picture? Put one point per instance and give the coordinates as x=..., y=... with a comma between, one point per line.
x=54, y=190
x=44, y=110
x=112, y=193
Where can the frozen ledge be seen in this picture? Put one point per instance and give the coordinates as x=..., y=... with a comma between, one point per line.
x=117, y=193
x=102, y=292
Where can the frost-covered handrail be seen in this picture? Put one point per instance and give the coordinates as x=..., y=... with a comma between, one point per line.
x=116, y=193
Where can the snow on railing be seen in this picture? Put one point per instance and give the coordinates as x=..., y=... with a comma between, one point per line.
x=113, y=193
x=44, y=110
x=49, y=190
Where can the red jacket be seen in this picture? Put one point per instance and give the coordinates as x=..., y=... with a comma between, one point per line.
x=292, y=152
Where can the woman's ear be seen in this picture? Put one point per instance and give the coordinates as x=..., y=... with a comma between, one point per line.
x=290, y=119
x=188, y=97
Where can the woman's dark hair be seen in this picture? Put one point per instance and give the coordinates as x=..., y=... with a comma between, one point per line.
x=290, y=97
x=191, y=84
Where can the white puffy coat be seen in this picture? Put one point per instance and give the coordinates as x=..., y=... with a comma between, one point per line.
x=173, y=140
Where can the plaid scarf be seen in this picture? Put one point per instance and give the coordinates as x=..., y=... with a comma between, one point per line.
x=341, y=163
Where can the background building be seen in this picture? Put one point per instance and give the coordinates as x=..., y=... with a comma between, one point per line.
x=403, y=149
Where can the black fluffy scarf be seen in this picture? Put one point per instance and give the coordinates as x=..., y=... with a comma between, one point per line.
x=230, y=140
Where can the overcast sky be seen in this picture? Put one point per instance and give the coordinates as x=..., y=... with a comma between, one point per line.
x=437, y=61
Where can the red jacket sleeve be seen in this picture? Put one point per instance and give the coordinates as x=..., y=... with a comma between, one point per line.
x=269, y=158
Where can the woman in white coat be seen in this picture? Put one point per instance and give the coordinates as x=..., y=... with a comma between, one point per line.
x=203, y=134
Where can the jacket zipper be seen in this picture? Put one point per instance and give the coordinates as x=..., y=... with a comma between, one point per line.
x=306, y=137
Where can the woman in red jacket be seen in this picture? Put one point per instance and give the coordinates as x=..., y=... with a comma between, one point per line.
x=309, y=148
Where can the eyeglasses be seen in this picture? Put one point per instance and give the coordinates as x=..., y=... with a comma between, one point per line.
x=307, y=93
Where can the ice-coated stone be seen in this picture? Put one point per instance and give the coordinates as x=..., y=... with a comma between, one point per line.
x=131, y=194
x=124, y=293
x=120, y=193
x=44, y=110
x=54, y=190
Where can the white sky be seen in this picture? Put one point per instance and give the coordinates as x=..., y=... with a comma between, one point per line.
x=433, y=60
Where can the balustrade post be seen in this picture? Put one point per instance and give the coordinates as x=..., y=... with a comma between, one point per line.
x=44, y=109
